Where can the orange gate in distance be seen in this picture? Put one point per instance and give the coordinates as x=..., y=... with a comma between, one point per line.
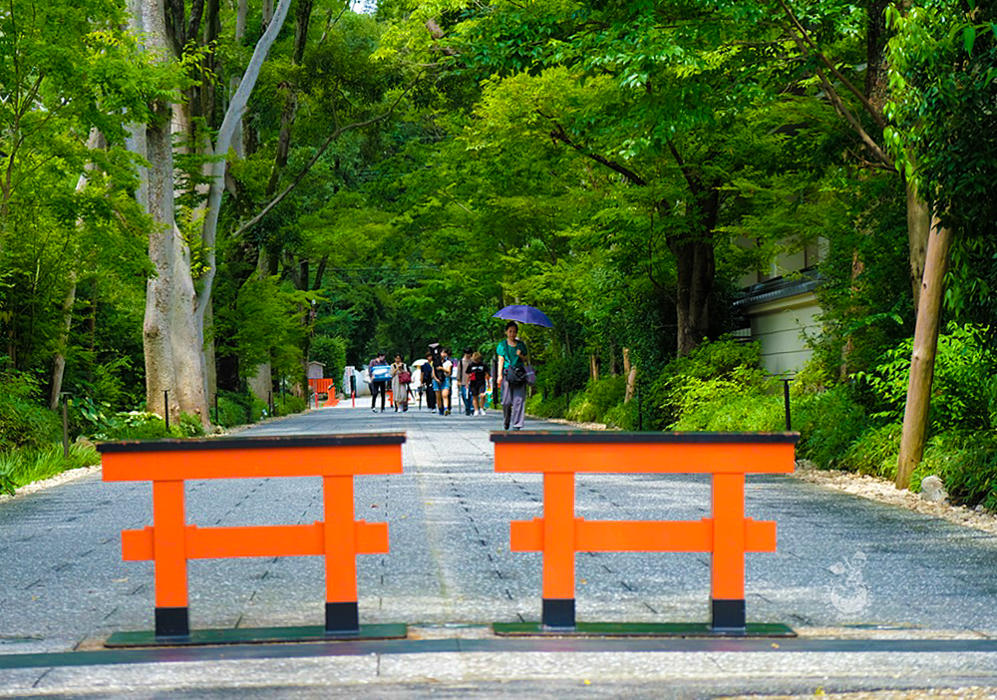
x=727, y=535
x=324, y=386
x=170, y=541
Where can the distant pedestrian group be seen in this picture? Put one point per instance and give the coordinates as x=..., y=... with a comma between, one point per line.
x=436, y=376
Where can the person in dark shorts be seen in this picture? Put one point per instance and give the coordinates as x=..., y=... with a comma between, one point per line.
x=477, y=374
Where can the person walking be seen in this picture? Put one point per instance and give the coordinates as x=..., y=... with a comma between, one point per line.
x=464, y=382
x=512, y=353
x=442, y=367
x=380, y=373
x=477, y=374
x=426, y=372
x=401, y=378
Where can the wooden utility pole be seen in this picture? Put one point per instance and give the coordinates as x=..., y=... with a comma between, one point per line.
x=922, y=362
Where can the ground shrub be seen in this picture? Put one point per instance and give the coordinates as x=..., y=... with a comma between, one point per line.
x=828, y=423
x=732, y=408
x=964, y=388
x=188, y=426
x=552, y=406
x=239, y=408
x=689, y=388
x=966, y=461
x=24, y=422
x=288, y=404
x=625, y=416
x=591, y=405
x=875, y=452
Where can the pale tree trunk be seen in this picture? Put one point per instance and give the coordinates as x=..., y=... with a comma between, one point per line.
x=261, y=383
x=171, y=339
x=858, y=267
x=630, y=373
x=226, y=132
x=922, y=364
x=594, y=368
x=918, y=229
x=239, y=139
x=59, y=362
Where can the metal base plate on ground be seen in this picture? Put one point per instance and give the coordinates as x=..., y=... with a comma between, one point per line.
x=259, y=635
x=638, y=629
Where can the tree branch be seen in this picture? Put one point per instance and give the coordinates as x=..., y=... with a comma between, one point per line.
x=304, y=171
x=559, y=134
x=876, y=114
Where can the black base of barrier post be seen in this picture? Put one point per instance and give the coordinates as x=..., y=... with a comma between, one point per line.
x=728, y=615
x=172, y=623
x=342, y=618
x=558, y=612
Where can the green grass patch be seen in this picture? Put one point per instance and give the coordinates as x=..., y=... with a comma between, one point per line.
x=22, y=466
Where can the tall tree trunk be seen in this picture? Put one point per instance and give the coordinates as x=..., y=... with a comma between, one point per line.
x=94, y=141
x=696, y=268
x=918, y=230
x=922, y=363
x=226, y=132
x=239, y=138
x=59, y=362
x=171, y=339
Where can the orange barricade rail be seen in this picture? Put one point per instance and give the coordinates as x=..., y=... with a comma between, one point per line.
x=727, y=535
x=324, y=386
x=170, y=542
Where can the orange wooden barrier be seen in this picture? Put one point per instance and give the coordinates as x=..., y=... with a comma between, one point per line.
x=170, y=542
x=727, y=535
x=324, y=386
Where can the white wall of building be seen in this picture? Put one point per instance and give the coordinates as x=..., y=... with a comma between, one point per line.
x=780, y=327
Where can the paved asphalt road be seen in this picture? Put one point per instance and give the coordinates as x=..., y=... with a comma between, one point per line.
x=881, y=597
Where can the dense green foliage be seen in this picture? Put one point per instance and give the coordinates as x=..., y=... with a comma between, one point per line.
x=628, y=167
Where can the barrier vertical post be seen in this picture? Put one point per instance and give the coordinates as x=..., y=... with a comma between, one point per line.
x=170, y=559
x=166, y=408
x=727, y=585
x=559, y=552
x=341, y=613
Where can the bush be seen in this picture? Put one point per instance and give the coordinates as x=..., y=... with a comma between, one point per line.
x=875, y=452
x=624, y=416
x=599, y=396
x=553, y=406
x=23, y=422
x=966, y=463
x=238, y=408
x=964, y=388
x=288, y=404
x=828, y=422
x=703, y=381
x=330, y=351
x=732, y=408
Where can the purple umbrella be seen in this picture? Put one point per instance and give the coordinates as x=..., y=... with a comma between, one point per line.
x=524, y=314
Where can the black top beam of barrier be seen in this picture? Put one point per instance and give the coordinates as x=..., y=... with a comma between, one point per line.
x=256, y=442
x=611, y=437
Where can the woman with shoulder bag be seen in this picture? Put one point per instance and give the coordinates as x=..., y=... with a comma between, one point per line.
x=512, y=355
x=400, y=378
